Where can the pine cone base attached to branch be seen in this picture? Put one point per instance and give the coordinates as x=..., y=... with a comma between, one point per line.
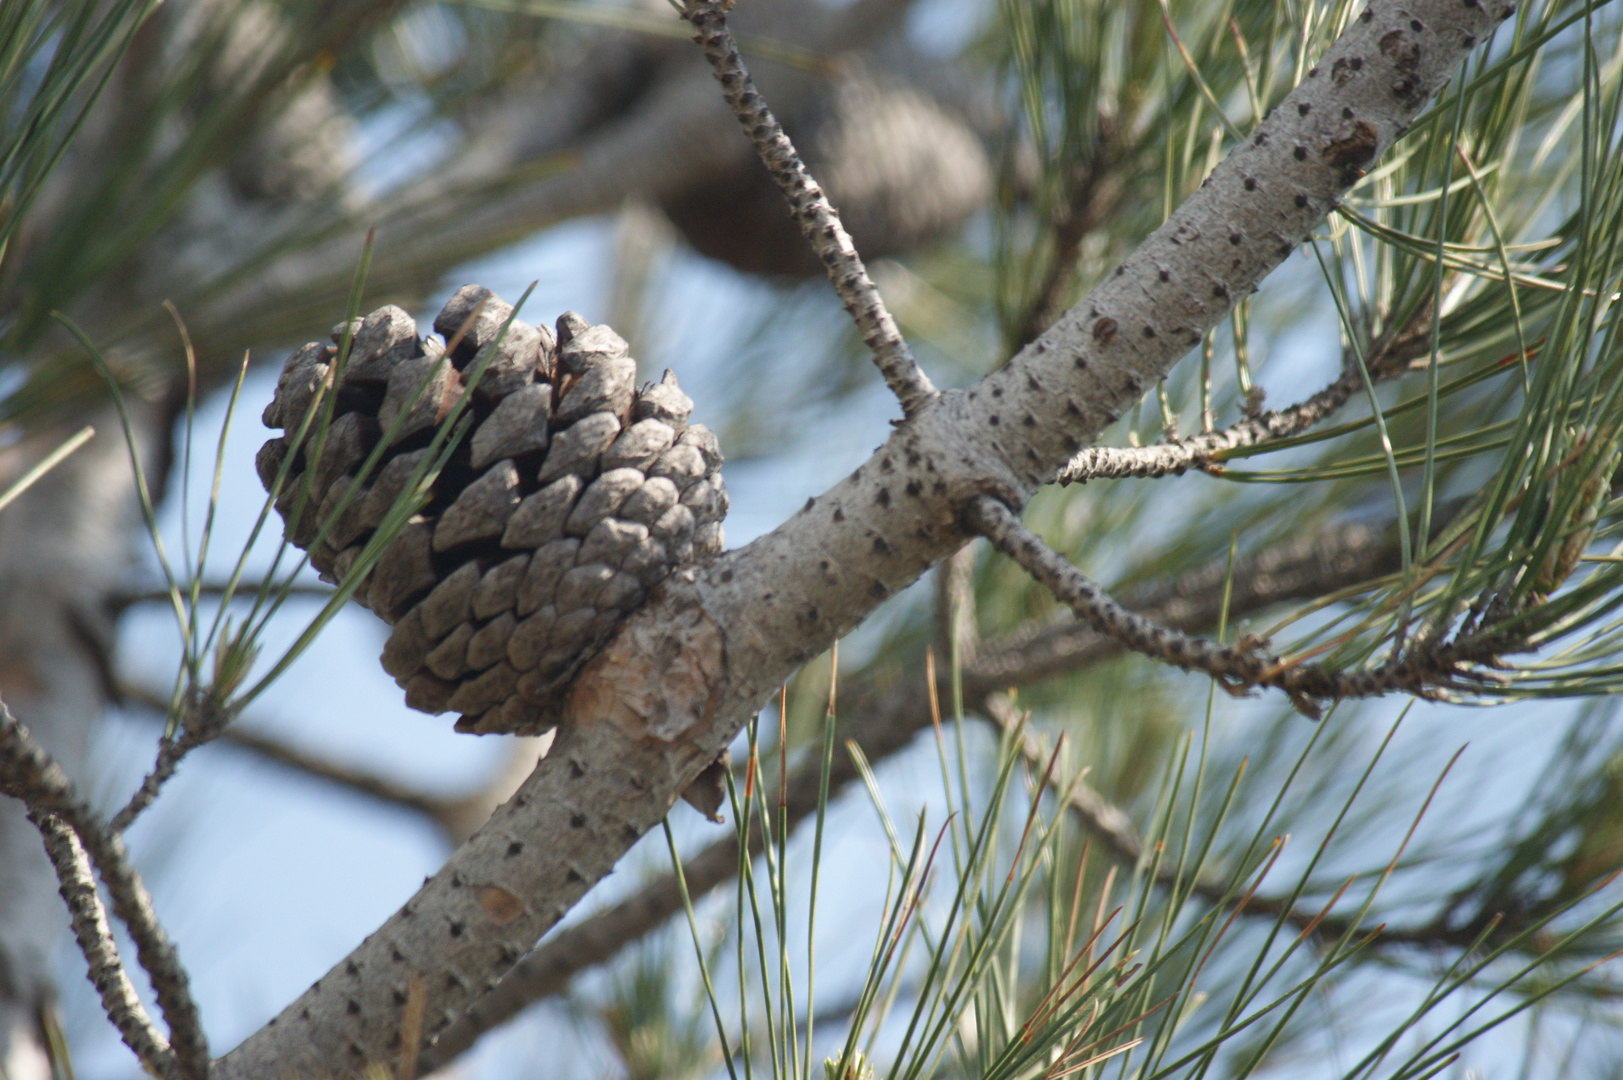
x=573, y=495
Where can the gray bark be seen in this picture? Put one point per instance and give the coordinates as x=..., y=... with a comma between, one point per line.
x=681, y=676
x=883, y=723
x=63, y=548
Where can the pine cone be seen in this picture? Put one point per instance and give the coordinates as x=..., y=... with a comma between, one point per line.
x=575, y=494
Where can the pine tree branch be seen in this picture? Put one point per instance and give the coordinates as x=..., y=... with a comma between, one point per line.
x=1197, y=451
x=28, y=773
x=1387, y=360
x=547, y=970
x=195, y=731
x=95, y=938
x=819, y=221
x=1337, y=556
x=171, y=749
x=1334, y=558
x=1421, y=670
x=682, y=675
x=202, y=721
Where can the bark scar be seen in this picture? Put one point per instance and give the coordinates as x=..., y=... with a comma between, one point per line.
x=1352, y=151
x=657, y=678
x=499, y=904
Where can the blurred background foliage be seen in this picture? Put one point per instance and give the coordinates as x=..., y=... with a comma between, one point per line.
x=993, y=160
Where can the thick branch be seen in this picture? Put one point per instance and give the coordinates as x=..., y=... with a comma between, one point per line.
x=1337, y=557
x=819, y=221
x=682, y=675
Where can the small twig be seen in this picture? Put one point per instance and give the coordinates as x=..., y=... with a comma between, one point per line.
x=1197, y=451
x=28, y=773
x=819, y=221
x=1389, y=359
x=95, y=938
x=1236, y=668
x=170, y=751
x=201, y=725
x=1338, y=556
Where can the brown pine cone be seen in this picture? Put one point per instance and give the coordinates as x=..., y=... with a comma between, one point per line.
x=573, y=495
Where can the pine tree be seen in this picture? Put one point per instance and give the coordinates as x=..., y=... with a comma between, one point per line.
x=1445, y=178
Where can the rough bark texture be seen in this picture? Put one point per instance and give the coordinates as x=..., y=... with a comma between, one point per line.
x=680, y=677
x=901, y=167
x=628, y=114
x=884, y=723
x=818, y=219
x=94, y=936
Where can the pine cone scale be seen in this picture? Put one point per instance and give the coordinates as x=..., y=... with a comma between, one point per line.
x=574, y=494
x=498, y=589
